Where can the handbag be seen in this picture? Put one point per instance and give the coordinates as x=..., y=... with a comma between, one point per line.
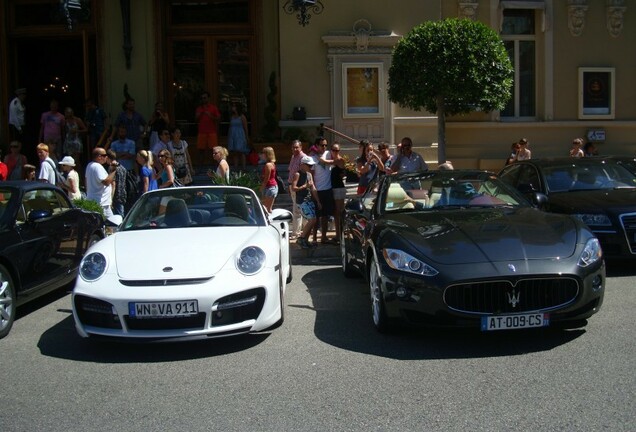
x=308, y=208
x=281, y=184
x=181, y=171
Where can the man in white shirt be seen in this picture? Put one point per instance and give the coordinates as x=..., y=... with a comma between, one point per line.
x=98, y=181
x=48, y=170
x=16, y=115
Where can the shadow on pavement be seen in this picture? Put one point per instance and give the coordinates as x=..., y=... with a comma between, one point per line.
x=62, y=341
x=343, y=319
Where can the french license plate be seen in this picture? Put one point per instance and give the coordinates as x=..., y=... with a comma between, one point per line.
x=170, y=309
x=520, y=321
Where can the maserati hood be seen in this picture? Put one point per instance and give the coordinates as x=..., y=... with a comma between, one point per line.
x=487, y=235
x=188, y=252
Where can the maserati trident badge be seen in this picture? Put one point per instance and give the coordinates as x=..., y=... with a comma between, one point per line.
x=514, y=298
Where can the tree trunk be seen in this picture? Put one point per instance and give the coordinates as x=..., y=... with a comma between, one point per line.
x=441, y=130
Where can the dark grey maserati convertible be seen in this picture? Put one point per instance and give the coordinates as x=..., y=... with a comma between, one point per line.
x=464, y=249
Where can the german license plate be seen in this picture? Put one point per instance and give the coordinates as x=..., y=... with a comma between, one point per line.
x=170, y=309
x=509, y=322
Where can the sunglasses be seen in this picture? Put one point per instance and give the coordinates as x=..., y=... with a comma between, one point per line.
x=336, y=150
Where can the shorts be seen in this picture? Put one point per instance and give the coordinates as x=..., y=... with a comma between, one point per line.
x=326, y=201
x=308, y=209
x=207, y=141
x=270, y=192
x=339, y=193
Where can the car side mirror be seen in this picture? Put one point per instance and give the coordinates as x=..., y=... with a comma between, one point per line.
x=354, y=205
x=36, y=215
x=279, y=214
x=539, y=200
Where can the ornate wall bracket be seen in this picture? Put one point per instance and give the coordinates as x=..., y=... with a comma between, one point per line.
x=615, y=12
x=362, y=30
x=576, y=16
x=468, y=8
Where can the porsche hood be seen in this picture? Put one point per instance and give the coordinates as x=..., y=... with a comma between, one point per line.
x=153, y=254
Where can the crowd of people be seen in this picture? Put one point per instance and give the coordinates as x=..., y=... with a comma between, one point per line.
x=154, y=155
x=520, y=150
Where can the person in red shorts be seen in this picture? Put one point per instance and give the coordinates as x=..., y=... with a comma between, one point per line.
x=207, y=116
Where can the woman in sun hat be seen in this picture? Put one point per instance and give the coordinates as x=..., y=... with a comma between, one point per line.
x=71, y=178
x=306, y=198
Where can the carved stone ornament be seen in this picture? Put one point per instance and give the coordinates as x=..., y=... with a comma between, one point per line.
x=468, y=9
x=615, y=11
x=576, y=16
x=361, y=31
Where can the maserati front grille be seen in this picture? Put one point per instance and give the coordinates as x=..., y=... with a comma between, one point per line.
x=505, y=296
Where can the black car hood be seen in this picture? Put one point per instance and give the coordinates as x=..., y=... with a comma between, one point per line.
x=593, y=200
x=485, y=235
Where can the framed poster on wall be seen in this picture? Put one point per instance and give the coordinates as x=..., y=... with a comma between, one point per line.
x=362, y=90
x=596, y=93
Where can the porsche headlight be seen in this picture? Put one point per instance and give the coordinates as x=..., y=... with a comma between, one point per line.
x=251, y=260
x=594, y=219
x=591, y=253
x=92, y=266
x=400, y=260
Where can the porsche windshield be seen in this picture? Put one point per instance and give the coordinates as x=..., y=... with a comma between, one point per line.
x=446, y=189
x=195, y=207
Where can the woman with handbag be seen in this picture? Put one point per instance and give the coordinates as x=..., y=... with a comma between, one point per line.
x=165, y=176
x=182, y=163
x=306, y=198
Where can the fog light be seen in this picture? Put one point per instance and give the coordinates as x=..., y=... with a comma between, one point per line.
x=597, y=282
x=401, y=292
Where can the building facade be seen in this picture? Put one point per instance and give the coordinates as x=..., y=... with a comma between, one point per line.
x=574, y=60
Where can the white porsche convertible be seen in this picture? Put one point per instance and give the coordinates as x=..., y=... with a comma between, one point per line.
x=187, y=263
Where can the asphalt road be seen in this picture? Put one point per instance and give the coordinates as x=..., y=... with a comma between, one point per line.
x=325, y=369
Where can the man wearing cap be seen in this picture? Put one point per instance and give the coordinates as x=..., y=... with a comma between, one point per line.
x=16, y=115
x=98, y=181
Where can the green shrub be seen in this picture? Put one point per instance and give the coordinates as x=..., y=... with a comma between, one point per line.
x=89, y=205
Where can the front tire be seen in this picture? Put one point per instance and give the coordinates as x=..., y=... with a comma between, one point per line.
x=378, y=308
x=7, y=302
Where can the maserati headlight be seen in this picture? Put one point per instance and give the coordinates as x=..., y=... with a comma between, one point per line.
x=591, y=253
x=92, y=266
x=251, y=260
x=594, y=219
x=400, y=260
